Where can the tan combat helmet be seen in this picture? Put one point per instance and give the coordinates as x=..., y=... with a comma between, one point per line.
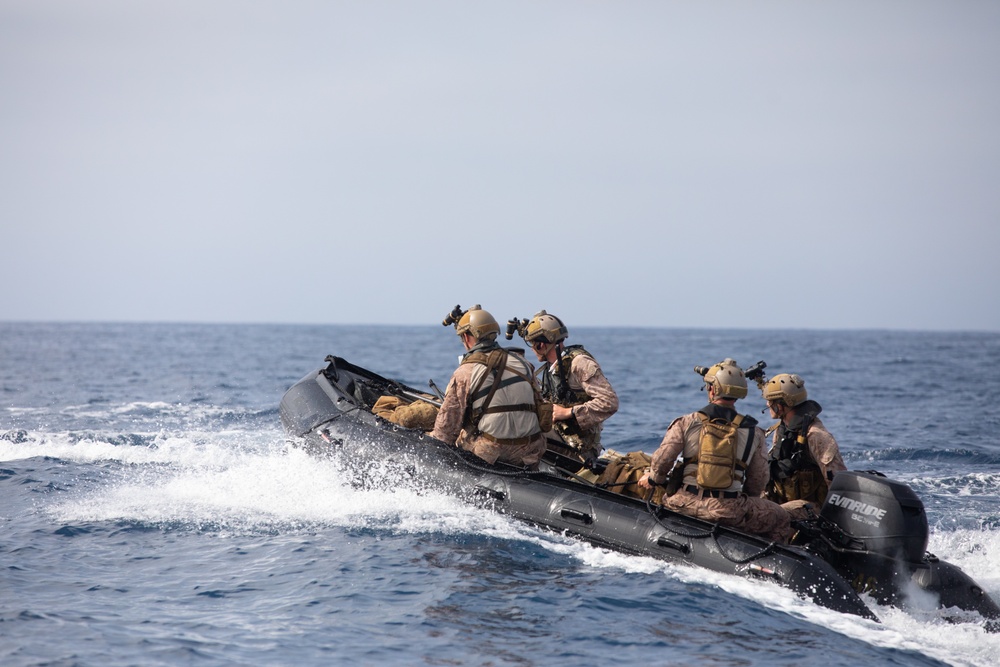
x=479, y=323
x=785, y=388
x=545, y=327
x=727, y=379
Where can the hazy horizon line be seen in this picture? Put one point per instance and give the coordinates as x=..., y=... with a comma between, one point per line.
x=650, y=327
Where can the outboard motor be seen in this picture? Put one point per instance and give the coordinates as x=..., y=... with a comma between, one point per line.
x=882, y=536
x=886, y=517
x=876, y=536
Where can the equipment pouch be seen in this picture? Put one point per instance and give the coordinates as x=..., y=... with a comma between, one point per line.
x=674, y=479
x=622, y=476
x=717, y=453
x=544, y=411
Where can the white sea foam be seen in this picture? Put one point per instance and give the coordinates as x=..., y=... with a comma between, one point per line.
x=976, y=552
x=192, y=449
x=246, y=489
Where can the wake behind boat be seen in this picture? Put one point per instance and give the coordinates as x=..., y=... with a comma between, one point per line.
x=870, y=537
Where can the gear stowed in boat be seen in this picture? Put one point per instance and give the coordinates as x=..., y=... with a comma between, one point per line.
x=871, y=534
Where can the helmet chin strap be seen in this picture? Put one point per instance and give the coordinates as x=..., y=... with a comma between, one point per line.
x=552, y=351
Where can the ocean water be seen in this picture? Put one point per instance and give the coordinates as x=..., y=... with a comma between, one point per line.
x=153, y=513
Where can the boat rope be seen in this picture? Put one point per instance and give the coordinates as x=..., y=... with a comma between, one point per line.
x=650, y=507
x=653, y=509
x=740, y=561
x=612, y=485
x=322, y=429
x=344, y=413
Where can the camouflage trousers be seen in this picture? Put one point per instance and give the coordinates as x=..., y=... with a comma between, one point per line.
x=757, y=516
x=491, y=452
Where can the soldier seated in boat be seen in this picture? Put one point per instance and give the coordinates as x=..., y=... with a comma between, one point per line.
x=723, y=464
x=804, y=456
x=492, y=406
x=572, y=380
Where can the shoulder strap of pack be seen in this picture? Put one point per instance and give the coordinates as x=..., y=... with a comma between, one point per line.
x=477, y=357
x=705, y=419
x=741, y=460
x=744, y=459
x=495, y=361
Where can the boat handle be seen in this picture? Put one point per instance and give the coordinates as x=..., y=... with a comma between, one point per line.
x=582, y=517
x=664, y=541
x=489, y=493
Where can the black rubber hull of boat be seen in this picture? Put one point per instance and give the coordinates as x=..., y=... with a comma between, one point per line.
x=323, y=416
x=327, y=412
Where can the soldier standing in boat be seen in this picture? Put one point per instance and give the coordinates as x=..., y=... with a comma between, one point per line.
x=804, y=456
x=572, y=380
x=723, y=466
x=491, y=406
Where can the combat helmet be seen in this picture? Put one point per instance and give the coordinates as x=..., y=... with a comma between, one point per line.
x=478, y=323
x=545, y=327
x=726, y=378
x=785, y=388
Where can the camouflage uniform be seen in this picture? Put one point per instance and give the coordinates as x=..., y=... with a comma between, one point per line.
x=823, y=448
x=747, y=512
x=806, y=488
x=450, y=427
x=584, y=377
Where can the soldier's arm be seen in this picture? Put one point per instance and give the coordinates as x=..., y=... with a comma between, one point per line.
x=603, y=400
x=448, y=423
x=670, y=448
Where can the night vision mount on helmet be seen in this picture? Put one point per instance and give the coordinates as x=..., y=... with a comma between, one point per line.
x=726, y=378
x=785, y=388
x=475, y=321
x=542, y=326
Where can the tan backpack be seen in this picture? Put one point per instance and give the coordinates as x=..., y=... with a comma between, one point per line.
x=717, y=455
x=623, y=472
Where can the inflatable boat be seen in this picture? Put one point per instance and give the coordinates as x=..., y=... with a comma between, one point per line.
x=870, y=536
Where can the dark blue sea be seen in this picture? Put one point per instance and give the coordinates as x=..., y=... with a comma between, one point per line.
x=153, y=513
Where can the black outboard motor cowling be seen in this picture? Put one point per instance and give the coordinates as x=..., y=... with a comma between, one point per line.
x=878, y=541
x=886, y=517
x=877, y=531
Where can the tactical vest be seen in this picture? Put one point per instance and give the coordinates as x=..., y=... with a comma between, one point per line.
x=503, y=401
x=717, y=449
x=794, y=474
x=555, y=386
x=585, y=443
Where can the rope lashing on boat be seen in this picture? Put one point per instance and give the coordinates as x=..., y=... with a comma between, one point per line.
x=713, y=533
x=345, y=413
x=740, y=561
x=323, y=431
x=650, y=507
x=356, y=408
x=615, y=484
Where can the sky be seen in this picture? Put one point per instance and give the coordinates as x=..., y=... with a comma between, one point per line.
x=806, y=165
